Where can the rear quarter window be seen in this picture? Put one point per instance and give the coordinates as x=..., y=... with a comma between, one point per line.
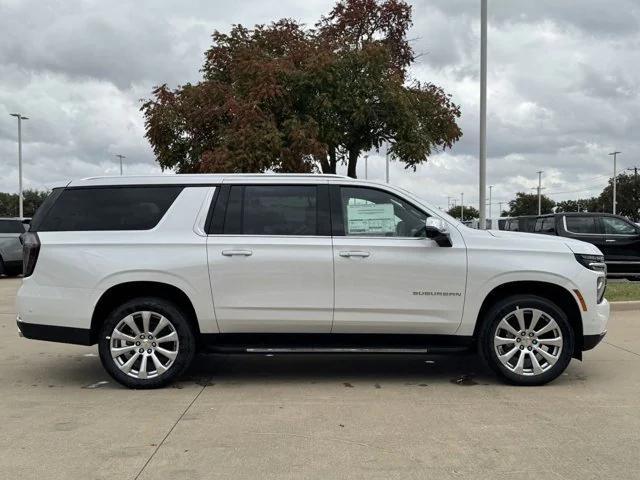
x=109, y=208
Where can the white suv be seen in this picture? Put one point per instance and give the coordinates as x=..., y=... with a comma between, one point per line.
x=154, y=268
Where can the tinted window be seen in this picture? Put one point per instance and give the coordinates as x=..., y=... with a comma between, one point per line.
x=120, y=208
x=43, y=209
x=545, y=224
x=617, y=226
x=272, y=210
x=374, y=213
x=582, y=224
x=11, y=226
x=512, y=225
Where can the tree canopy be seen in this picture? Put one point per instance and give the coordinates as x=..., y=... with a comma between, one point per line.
x=469, y=212
x=287, y=98
x=31, y=200
x=627, y=196
x=527, y=204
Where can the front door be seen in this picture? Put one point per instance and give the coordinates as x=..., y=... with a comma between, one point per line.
x=270, y=259
x=389, y=278
x=622, y=245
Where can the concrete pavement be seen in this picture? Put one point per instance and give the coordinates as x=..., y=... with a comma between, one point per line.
x=292, y=417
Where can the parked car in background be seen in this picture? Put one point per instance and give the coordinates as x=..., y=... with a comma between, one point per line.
x=616, y=237
x=10, y=246
x=524, y=223
x=151, y=268
x=497, y=223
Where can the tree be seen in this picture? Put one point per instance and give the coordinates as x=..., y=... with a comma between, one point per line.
x=592, y=204
x=469, y=212
x=289, y=99
x=527, y=204
x=31, y=200
x=627, y=196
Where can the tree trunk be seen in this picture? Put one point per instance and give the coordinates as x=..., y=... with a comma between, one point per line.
x=332, y=160
x=353, y=161
x=325, y=165
x=328, y=164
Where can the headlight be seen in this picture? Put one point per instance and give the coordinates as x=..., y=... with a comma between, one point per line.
x=595, y=263
x=592, y=262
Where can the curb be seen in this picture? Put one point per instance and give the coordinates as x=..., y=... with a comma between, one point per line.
x=625, y=306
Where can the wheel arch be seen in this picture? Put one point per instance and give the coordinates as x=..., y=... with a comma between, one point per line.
x=123, y=292
x=558, y=294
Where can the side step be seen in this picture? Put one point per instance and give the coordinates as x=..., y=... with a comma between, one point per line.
x=336, y=350
x=284, y=343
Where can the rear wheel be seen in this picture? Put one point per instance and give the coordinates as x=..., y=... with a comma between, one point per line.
x=527, y=340
x=146, y=343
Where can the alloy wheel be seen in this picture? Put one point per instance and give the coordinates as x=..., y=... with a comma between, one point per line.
x=528, y=341
x=144, y=344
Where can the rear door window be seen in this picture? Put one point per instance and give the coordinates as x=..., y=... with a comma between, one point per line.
x=272, y=210
x=545, y=225
x=582, y=224
x=11, y=226
x=109, y=208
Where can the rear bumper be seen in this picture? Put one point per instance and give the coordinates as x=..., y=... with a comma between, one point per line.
x=590, y=341
x=53, y=333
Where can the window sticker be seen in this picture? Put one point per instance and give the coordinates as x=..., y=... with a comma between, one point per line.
x=370, y=218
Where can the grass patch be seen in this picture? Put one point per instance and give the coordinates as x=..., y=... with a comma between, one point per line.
x=622, y=291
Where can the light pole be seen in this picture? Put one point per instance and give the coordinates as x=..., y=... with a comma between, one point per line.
x=540, y=192
x=490, y=201
x=615, y=179
x=120, y=157
x=483, y=113
x=387, y=163
x=366, y=167
x=20, y=200
x=462, y=207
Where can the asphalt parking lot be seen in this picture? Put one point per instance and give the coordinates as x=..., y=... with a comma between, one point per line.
x=293, y=417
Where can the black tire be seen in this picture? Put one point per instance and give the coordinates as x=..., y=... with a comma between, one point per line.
x=503, y=308
x=179, y=321
x=13, y=272
x=2, y=270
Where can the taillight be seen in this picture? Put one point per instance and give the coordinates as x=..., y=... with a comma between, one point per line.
x=30, y=251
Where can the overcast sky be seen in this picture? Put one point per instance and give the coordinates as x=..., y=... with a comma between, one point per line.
x=564, y=82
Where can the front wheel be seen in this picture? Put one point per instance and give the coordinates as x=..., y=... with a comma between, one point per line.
x=146, y=343
x=527, y=340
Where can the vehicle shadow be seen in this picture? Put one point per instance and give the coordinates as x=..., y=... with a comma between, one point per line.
x=464, y=369
x=85, y=370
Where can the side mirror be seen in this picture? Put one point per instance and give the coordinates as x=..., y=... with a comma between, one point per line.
x=437, y=230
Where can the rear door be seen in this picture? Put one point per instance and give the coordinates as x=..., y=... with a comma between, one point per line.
x=270, y=258
x=389, y=278
x=622, y=245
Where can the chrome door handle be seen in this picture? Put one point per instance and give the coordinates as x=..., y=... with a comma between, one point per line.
x=609, y=240
x=355, y=254
x=240, y=253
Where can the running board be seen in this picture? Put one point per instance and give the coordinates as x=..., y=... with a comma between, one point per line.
x=336, y=350
x=338, y=343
